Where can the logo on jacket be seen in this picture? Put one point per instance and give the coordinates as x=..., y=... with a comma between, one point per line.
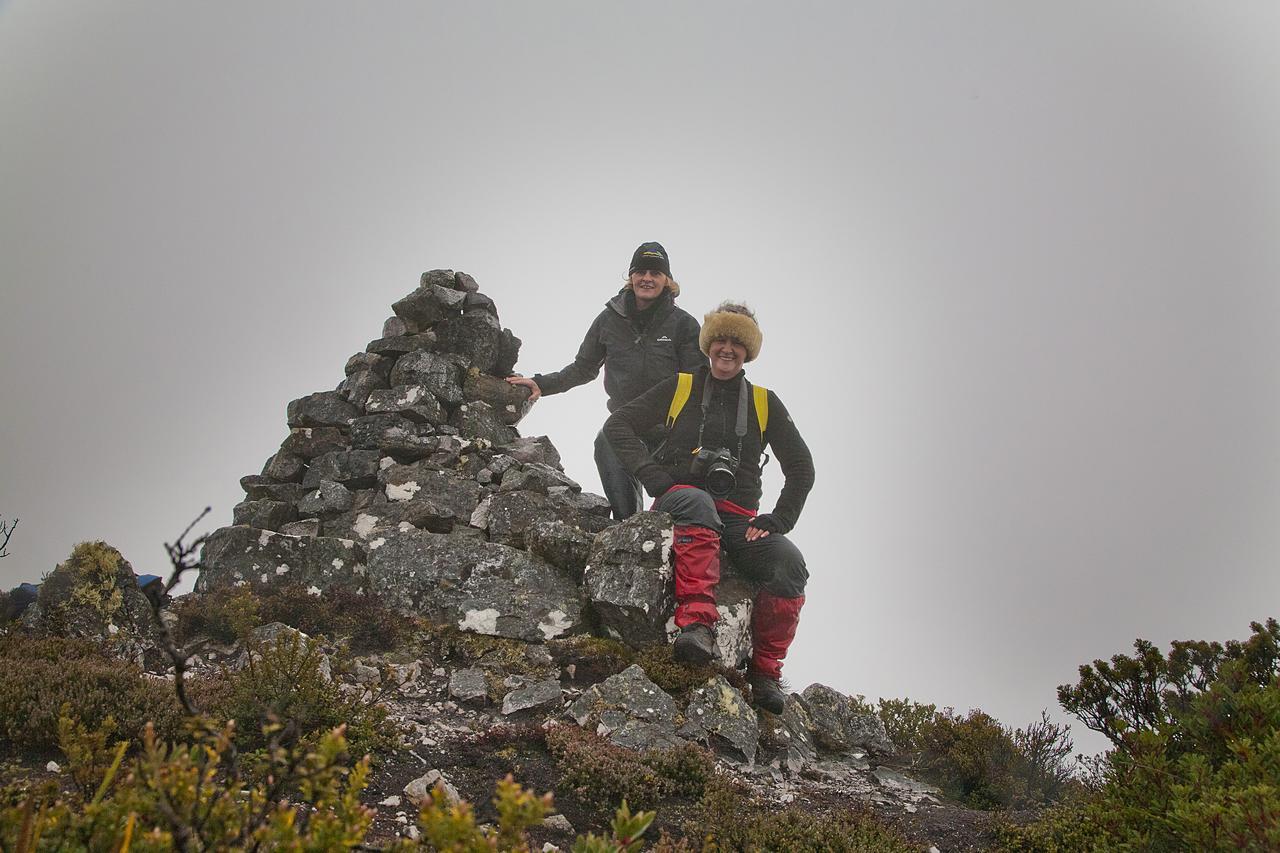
x=663, y=339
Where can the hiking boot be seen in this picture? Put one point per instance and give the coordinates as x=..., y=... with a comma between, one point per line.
x=696, y=644
x=767, y=693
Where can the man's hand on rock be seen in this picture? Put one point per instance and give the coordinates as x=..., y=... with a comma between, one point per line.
x=534, y=391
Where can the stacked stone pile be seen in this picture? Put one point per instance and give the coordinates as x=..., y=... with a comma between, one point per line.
x=410, y=481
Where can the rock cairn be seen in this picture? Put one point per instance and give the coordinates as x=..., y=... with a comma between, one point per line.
x=410, y=482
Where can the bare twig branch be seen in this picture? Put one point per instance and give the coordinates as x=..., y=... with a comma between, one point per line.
x=183, y=557
x=6, y=530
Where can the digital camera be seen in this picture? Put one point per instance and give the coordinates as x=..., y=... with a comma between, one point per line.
x=717, y=468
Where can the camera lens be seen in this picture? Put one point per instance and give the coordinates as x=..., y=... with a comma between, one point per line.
x=720, y=480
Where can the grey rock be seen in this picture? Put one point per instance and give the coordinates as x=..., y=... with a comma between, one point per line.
x=395, y=436
x=357, y=387
x=477, y=301
x=310, y=442
x=355, y=469
x=324, y=409
x=259, y=488
x=902, y=784
x=478, y=419
x=540, y=695
x=629, y=580
x=838, y=726
x=469, y=685
x=395, y=327
x=561, y=544
x=536, y=477
x=508, y=354
x=305, y=527
x=410, y=401
x=233, y=556
x=419, y=790
x=363, y=361
x=440, y=278
x=328, y=497
x=629, y=710
x=508, y=515
x=272, y=635
x=587, y=504
x=477, y=335
x=265, y=514
x=476, y=585
x=429, y=304
x=114, y=607
x=511, y=402
x=380, y=519
x=720, y=717
x=453, y=494
x=787, y=739
x=285, y=467
x=464, y=282
x=401, y=345
x=558, y=823
x=440, y=375
x=362, y=673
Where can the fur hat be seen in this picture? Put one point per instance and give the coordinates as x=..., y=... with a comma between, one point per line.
x=735, y=322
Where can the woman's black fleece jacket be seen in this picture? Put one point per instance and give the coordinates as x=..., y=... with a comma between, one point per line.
x=641, y=415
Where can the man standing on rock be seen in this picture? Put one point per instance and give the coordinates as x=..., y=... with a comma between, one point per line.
x=641, y=338
x=707, y=477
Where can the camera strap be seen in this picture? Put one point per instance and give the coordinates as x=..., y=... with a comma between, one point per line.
x=740, y=427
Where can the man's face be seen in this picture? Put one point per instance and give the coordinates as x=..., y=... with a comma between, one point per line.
x=727, y=358
x=648, y=284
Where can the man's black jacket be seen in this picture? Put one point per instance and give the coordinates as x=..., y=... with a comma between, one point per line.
x=638, y=350
x=638, y=418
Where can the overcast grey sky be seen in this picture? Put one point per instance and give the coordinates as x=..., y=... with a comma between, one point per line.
x=1016, y=264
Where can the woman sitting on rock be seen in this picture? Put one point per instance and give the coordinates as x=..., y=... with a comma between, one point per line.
x=707, y=476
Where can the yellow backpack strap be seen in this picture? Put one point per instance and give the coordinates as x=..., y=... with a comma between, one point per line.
x=684, y=387
x=761, y=395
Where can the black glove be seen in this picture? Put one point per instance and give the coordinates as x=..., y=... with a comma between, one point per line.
x=768, y=521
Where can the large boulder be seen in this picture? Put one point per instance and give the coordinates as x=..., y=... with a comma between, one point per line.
x=411, y=401
x=628, y=578
x=428, y=305
x=629, y=710
x=507, y=516
x=533, y=448
x=437, y=373
x=561, y=544
x=477, y=419
x=309, y=442
x=475, y=585
x=786, y=739
x=446, y=491
x=720, y=717
x=355, y=469
x=476, y=335
x=235, y=556
x=511, y=402
x=93, y=594
x=325, y=409
x=839, y=726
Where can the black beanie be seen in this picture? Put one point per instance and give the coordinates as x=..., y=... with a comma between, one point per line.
x=650, y=256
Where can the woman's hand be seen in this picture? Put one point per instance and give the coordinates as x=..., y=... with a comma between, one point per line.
x=534, y=391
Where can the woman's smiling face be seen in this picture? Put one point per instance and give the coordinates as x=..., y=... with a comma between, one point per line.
x=727, y=357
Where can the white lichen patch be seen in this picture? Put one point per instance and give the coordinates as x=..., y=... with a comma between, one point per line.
x=264, y=539
x=557, y=623
x=648, y=546
x=377, y=543
x=385, y=462
x=358, y=569
x=265, y=577
x=282, y=569
x=364, y=524
x=729, y=700
x=480, y=621
x=480, y=518
x=405, y=527
x=733, y=632
x=665, y=571
x=313, y=590
x=402, y=492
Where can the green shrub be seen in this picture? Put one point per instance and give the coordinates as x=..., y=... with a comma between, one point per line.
x=599, y=773
x=904, y=721
x=282, y=685
x=39, y=676
x=1197, y=756
x=681, y=679
x=728, y=820
x=87, y=583
x=229, y=614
